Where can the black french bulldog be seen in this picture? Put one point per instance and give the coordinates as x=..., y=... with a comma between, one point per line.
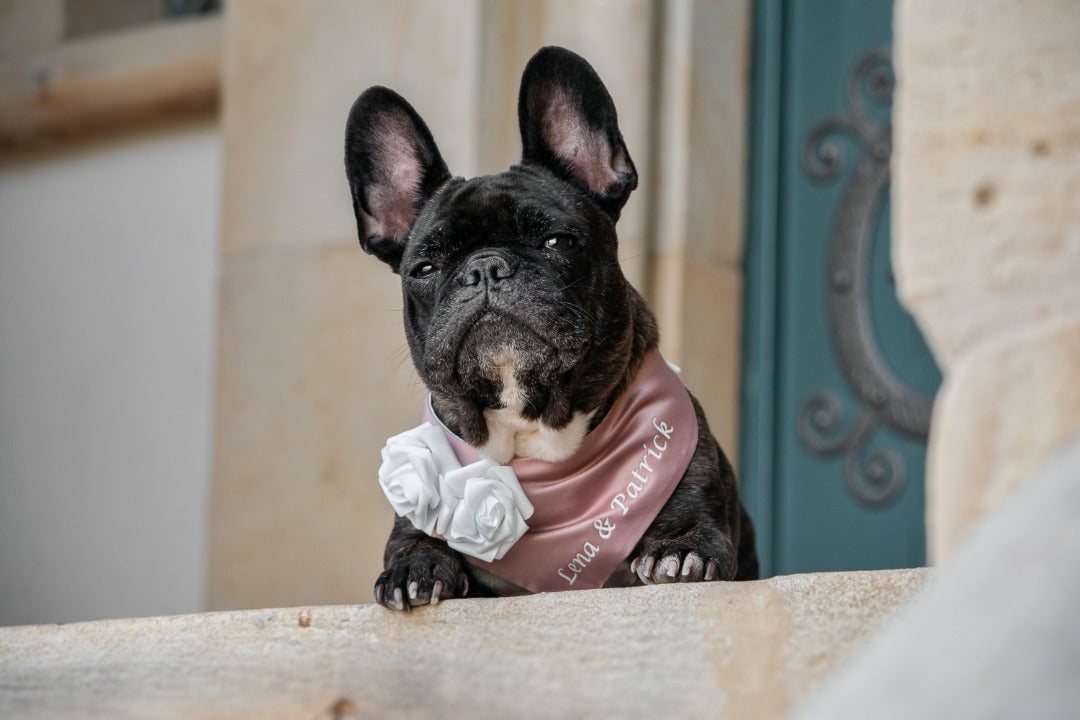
x=518, y=316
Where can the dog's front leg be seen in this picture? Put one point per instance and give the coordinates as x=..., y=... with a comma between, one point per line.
x=419, y=570
x=696, y=535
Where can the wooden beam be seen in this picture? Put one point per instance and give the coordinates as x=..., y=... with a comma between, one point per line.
x=113, y=81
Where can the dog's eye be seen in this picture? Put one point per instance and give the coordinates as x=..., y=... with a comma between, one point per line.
x=559, y=242
x=422, y=270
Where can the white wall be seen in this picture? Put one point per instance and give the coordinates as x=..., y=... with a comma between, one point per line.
x=108, y=300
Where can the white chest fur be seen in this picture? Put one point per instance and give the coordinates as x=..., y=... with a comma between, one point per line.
x=510, y=434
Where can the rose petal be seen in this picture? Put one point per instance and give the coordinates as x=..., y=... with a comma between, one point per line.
x=429, y=438
x=486, y=523
x=409, y=474
x=479, y=509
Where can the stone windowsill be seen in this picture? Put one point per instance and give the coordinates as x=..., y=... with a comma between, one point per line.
x=708, y=650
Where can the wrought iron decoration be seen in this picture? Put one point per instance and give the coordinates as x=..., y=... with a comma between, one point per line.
x=877, y=478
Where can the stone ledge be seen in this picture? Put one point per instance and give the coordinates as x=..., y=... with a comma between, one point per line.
x=745, y=650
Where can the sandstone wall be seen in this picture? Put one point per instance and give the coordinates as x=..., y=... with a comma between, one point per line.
x=714, y=650
x=986, y=228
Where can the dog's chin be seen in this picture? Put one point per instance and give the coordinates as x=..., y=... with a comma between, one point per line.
x=484, y=354
x=500, y=350
x=517, y=378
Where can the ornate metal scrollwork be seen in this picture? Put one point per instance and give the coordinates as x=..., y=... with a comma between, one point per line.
x=875, y=478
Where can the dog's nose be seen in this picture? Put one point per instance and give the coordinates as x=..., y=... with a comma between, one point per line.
x=488, y=268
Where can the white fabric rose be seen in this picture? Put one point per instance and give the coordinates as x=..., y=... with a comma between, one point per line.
x=409, y=475
x=479, y=509
x=484, y=510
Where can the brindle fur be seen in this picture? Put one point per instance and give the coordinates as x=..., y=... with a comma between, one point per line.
x=576, y=329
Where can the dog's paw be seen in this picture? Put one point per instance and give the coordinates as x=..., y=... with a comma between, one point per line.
x=674, y=562
x=420, y=579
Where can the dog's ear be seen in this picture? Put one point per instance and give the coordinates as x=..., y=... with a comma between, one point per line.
x=569, y=125
x=393, y=167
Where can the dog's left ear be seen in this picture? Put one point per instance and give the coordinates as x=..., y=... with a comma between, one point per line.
x=569, y=125
x=393, y=167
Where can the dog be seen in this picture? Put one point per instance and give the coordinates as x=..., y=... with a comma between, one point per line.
x=560, y=451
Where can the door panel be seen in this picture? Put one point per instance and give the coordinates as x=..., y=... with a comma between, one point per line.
x=835, y=457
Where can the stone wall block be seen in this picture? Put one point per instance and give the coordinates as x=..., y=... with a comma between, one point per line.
x=313, y=375
x=290, y=74
x=1005, y=408
x=986, y=228
x=715, y=650
x=987, y=182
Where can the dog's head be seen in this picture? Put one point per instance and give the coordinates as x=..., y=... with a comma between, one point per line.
x=515, y=306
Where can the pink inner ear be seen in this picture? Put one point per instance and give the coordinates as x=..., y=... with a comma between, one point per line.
x=586, y=151
x=393, y=198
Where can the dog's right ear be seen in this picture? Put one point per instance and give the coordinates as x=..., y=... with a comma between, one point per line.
x=393, y=167
x=569, y=124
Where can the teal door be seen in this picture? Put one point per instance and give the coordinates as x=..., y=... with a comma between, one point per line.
x=838, y=382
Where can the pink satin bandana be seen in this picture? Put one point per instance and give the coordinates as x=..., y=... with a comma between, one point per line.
x=592, y=509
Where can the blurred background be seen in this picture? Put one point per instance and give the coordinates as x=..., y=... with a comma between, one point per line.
x=198, y=365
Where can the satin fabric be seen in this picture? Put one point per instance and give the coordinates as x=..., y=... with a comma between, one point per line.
x=593, y=508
